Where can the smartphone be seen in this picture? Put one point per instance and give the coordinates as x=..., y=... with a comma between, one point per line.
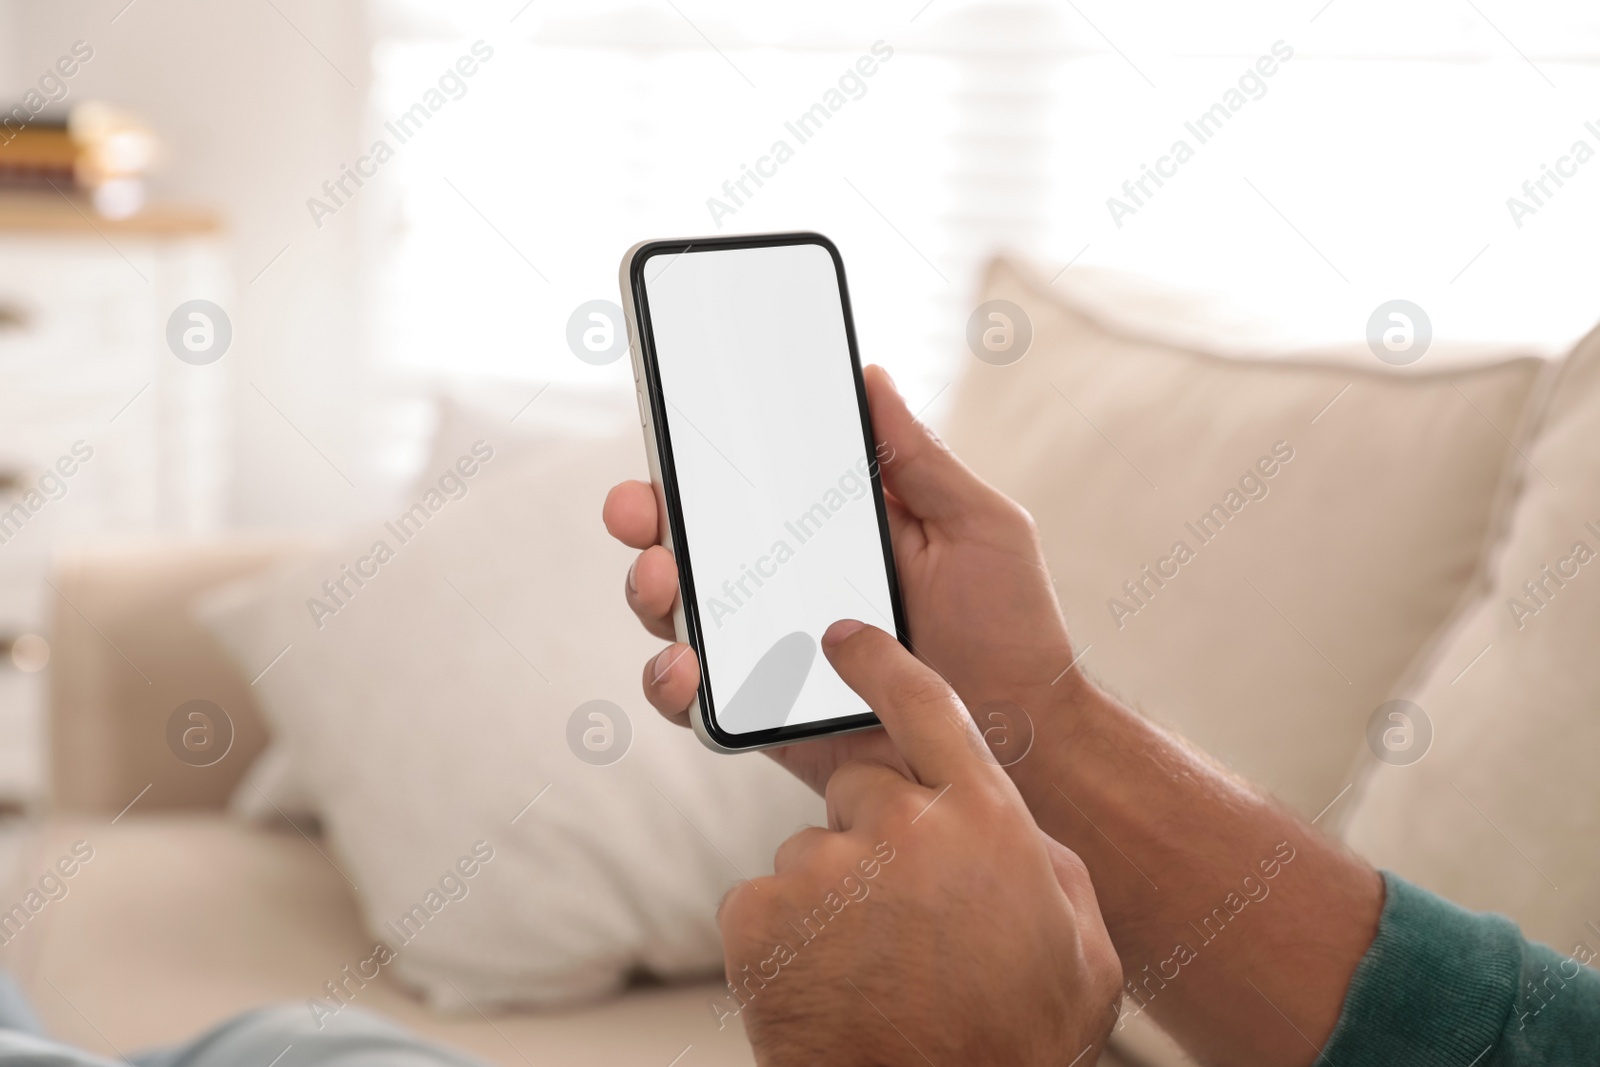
x=762, y=456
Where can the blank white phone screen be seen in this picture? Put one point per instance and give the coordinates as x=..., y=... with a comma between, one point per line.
x=773, y=474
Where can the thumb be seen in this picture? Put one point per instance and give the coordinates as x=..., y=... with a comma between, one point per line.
x=917, y=467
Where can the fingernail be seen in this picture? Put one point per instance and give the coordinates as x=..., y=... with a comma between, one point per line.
x=841, y=630
x=664, y=661
x=633, y=581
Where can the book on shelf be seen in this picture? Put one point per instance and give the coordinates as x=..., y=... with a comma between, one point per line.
x=38, y=154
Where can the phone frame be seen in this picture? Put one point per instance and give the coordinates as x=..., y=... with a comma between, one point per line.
x=663, y=476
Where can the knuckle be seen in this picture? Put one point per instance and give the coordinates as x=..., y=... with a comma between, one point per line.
x=745, y=908
x=799, y=843
x=833, y=854
x=1075, y=864
x=1073, y=867
x=847, y=774
x=817, y=869
x=906, y=806
x=1020, y=519
x=1105, y=966
x=921, y=692
x=831, y=793
x=991, y=801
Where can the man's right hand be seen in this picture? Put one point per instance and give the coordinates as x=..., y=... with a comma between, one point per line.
x=978, y=598
x=930, y=921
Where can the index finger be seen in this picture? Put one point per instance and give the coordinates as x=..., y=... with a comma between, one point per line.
x=630, y=514
x=926, y=720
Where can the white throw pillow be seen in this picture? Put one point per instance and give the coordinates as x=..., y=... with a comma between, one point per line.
x=1502, y=813
x=273, y=789
x=1273, y=640
x=429, y=705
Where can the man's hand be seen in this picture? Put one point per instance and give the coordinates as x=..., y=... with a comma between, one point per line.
x=1172, y=839
x=978, y=598
x=932, y=921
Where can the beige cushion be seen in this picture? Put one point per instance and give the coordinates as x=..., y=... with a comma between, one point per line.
x=567, y=417
x=126, y=654
x=434, y=706
x=180, y=921
x=1272, y=646
x=1503, y=812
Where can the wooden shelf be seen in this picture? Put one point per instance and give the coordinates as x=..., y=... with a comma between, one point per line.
x=53, y=213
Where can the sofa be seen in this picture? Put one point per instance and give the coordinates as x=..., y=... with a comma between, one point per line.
x=1372, y=565
x=186, y=914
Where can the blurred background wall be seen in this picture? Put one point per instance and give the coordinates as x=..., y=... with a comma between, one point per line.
x=1377, y=163
x=250, y=121
x=1377, y=160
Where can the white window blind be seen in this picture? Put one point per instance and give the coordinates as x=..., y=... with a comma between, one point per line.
x=1376, y=163
x=516, y=202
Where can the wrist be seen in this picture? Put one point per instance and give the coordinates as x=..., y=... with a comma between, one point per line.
x=1061, y=717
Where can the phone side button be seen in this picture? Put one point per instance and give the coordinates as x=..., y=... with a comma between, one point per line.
x=643, y=418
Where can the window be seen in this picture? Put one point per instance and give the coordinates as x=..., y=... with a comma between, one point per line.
x=1376, y=162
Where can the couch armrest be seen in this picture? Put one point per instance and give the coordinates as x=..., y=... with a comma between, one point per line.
x=125, y=654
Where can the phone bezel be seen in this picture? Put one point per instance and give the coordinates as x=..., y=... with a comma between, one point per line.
x=660, y=428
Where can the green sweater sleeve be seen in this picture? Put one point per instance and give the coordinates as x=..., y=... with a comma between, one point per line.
x=1443, y=987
